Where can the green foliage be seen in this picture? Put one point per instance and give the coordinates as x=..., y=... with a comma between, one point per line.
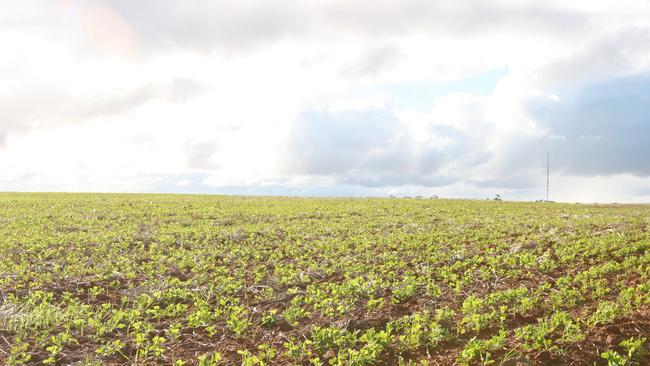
x=633, y=350
x=477, y=350
x=550, y=333
x=212, y=359
x=163, y=279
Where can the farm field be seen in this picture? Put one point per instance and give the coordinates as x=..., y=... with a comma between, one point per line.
x=216, y=280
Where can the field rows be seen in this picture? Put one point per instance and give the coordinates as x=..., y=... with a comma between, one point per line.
x=211, y=280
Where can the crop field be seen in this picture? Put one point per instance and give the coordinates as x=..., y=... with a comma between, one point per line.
x=211, y=280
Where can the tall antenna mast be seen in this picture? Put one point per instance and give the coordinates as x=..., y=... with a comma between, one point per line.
x=547, y=173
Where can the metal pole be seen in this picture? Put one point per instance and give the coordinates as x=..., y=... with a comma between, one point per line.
x=547, y=173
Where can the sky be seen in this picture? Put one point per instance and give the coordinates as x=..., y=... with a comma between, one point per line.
x=454, y=98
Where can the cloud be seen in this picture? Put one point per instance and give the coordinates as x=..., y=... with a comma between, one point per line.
x=372, y=61
x=235, y=95
x=38, y=103
x=237, y=24
x=604, y=127
x=209, y=24
x=452, y=17
x=617, y=53
x=592, y=129
x=184, y=89
x=113, y=104
x=323, y=142
x=372, y=147
x=201, y=155
x=49, y=105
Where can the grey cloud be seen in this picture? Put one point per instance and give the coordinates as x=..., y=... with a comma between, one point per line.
x=517, y=157
x=460, y=17
x=373, y=148
x=237, y=24
x=19, y=109
x=208, y=25
x=613, y=54
x=40, y=103
x=200, y=155
x=372, y=61
x=231, y=24
x=604, y=125
x=594, y=129
x=325, y=143
x=463, y=150
x=37, y=102
x=115, y=104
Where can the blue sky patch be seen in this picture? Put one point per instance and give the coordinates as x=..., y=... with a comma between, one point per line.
x=420, y=95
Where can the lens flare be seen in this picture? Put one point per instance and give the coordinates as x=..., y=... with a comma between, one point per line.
x=109, y=30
